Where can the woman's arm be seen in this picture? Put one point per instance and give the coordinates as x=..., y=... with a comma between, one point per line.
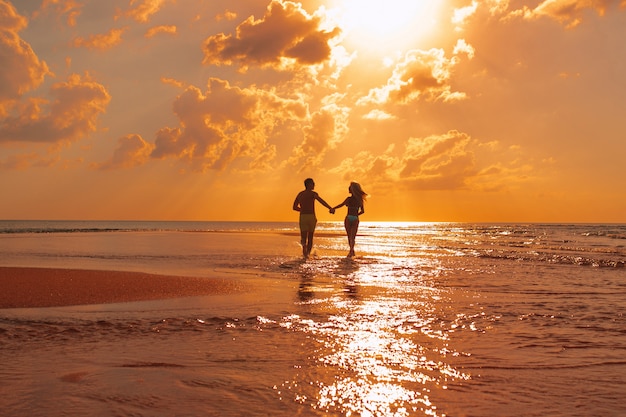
x=345, y=202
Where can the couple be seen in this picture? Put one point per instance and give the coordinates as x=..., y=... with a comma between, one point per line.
x=305, y=204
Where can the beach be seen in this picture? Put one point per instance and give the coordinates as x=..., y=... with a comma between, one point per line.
x=143, y=319
x=54, y=287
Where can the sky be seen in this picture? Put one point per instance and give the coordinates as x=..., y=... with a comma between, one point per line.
x=443, y=110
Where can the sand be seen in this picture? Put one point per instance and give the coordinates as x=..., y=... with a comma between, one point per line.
x=52, y=287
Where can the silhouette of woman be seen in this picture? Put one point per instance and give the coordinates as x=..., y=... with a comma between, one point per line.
x=355, y=203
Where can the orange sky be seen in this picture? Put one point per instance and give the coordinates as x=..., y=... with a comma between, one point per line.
x=495, y=110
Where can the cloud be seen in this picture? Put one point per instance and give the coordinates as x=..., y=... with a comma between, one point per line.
x=71, y=116
x=70, y=8
x=462, y=14
x=223, y=124
x=10, y=20
x=438, y=162
x=173, y=82
x=378, y=114
x=463, y=47
x=24, y=161
x=379, y=170
x=227, y=15
x=327, y=128
x=166, y=29
x=284, y=36
x=132, y=150
x=420, y=74
x=567, y=12
x=102, y=41
x=570, y=12
x=143, y=9
x=450, y=161
x=22, y=71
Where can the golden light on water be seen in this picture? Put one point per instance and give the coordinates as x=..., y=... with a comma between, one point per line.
x=378, y=354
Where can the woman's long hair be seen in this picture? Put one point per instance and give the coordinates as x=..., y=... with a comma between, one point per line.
x=357, y=191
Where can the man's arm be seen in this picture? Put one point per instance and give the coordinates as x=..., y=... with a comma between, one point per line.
x=296, y=203
x=321, y=200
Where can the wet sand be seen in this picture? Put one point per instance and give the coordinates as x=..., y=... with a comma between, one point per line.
x=24, y=287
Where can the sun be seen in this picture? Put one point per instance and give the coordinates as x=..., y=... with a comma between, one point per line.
x=387, y=25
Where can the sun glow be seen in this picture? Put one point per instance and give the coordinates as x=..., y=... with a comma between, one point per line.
x=387, y=25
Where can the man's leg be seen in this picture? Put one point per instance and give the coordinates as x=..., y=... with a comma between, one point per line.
x=303, y=242
x=309, y=245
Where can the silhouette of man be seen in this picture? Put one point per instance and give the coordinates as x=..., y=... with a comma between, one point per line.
x=305, y=204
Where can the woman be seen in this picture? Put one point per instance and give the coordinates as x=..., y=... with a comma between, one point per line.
x=355, y=204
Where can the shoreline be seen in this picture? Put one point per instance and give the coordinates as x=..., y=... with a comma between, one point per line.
x=32, y=287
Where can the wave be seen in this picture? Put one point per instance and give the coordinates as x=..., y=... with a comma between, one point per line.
x=560, y=259
x=46, y=230
x=85, y=226
x=540, y=367
x=151, y=365
x=32, y=330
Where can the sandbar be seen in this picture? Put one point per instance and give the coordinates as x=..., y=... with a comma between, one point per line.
x=26, y=287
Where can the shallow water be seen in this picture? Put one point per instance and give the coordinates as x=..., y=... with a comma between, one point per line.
x=429, y=319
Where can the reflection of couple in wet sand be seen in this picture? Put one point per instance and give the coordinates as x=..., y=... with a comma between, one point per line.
x=305, y=204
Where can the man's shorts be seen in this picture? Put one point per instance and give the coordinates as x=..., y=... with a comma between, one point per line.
x=307, y=222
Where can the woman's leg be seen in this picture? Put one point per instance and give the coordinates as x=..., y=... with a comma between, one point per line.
x=348, y=226
x=351, y=229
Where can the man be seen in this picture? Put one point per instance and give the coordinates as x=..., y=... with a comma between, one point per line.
x=305, y=204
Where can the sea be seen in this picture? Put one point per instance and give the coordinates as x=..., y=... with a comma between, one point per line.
x=429, y=319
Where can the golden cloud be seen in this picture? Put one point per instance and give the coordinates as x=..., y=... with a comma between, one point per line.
x=460, y=15
x=326, y=129
x=378, y=170
x=450, y=161
x=166, y=29
x=438, y=162
x=102, y=41
x=70, y=8
x=10, y=20
x=223, y=124
x=420, y=74
x=286, y=35
x=132, y=150
x=568, y=12
x=22, y=71
x=143, y=9
x=227, y=15
x=27, y=160
x=71, y=115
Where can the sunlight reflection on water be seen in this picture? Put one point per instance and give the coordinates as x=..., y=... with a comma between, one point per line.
x=382, y=339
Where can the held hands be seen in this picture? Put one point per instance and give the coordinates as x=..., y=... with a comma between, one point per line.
x=332, y=210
